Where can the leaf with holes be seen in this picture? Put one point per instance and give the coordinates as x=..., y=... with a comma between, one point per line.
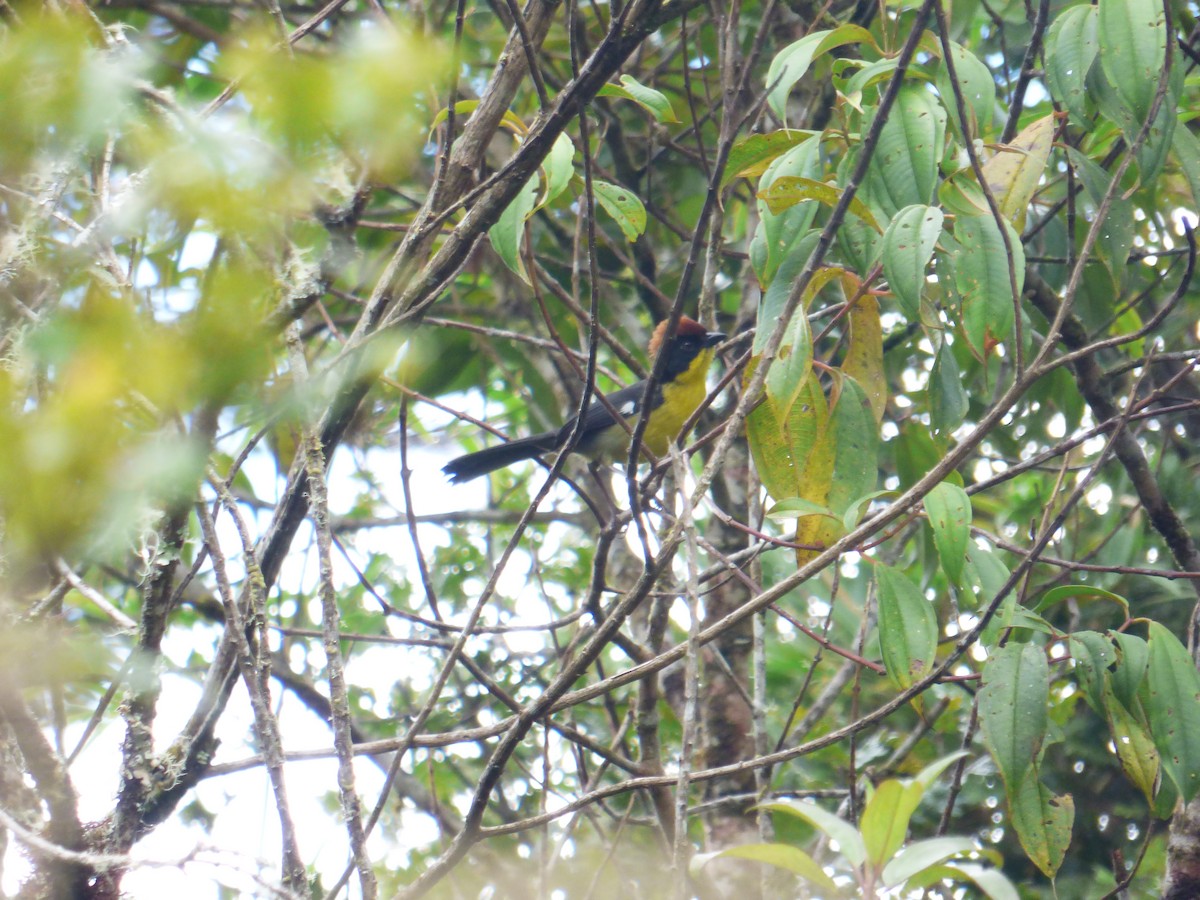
x=908, y=245
x=787, y=192
x=949, y=511
x=904, y=167
x=864, y=351
x=977, y=86
x=1071, y=48
x=983, y=278
x=750, y=156
x=1043, y=822
x=624, y=207
x=1133, y=47
x=1173, y=709
x=1012, y=708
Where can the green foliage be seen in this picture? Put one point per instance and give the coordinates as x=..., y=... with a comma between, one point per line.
x=241, y=245
x=875, y=854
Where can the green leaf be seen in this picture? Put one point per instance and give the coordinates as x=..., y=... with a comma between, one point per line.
x=783, y=448
x=908, y=628
x=948, y=400
x=1187, y=151
x=559, y=167
x=1071, y=48
x=1094, y=654
x=654, y=102
x=854, y=511
x=904, y=167
x=788, y=191
x=1024, y=618
x=624, y=207
x=934, y=770
x=1135, y=748
x=463, y=107
x=858, y=243
x=1133, y=659
x=870, y=74
x=884, y=821
x=790, y=63
x=978, y=89
x=982, y=278
x=774, y=302
x=961, y=195
x=988, y=572
x=908, y=245
x=919, y=856
x=507, y=233
x=751, y=155
x=1127, y=323
x=1133, y=45
x=994, y=884
x=782, y=856
x=1043, y=822
x=1152, y=154
x=949, y=511
x=856, y=445
x=782, y=232
x=1174, y=709
x=1081, y=592
x=916, y=453
x=1119, y=228
x=838, y=829
x=1012, y=709
x=792, y=366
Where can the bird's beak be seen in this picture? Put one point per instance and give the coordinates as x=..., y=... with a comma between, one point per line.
x=712, y=338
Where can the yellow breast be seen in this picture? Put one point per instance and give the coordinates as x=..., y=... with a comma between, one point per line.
x=679, y=400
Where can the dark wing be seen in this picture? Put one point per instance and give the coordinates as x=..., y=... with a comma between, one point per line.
x=597, y=417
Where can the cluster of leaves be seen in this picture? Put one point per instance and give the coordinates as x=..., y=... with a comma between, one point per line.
x=931, y=194
x=873, y=851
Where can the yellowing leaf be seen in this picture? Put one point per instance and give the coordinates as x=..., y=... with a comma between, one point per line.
x=1043, y=822
x=751, y=155
x=790, y=190
x=864, y=353
x=1013, y=174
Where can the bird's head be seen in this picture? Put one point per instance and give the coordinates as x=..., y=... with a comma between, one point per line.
x=690, y=340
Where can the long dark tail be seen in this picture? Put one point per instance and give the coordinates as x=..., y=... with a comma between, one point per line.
x=464, y=468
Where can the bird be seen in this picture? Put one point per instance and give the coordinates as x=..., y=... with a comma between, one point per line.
x=682, y=389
